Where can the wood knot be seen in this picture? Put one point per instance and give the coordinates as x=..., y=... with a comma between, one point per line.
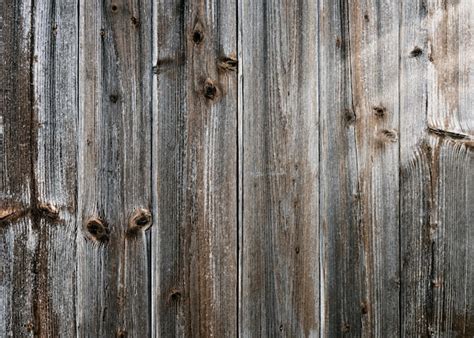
x=48, y=210
x=210, y=90
x=140, y=220
x=227, y=63
x=135, y=22
x=121, y=333
x=174, y=295
x=379, y=111
x=198, y=34
x=8, y=213
x=97, y=230
x=349, y=116
x=417, y=51
x=113, y=98
x=387, y=136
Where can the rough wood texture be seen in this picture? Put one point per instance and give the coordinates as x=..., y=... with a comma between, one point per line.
x=279, y=221
x=18, y=235
x=114, y=168
x=54, y=190
x=359, y=167
x=306, y=168
x=437, y=169
x=194, y=243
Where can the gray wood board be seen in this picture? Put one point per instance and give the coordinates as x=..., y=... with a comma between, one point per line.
x=194, y=243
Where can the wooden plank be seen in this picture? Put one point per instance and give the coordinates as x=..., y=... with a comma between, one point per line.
x=18, y=237
x=194, y=246
x=359, y=167
x=437, y=166
x=279, y=221
x=114, y=168
x=56, y=106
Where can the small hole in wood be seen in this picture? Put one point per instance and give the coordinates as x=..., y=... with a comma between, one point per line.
x=198, y=36
x=210, y=90
x=113, y=98
x=417, y=51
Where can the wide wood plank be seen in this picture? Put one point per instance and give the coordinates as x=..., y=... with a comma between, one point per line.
x=114, y=168
x=18, y=234
x=437, y=169
x=279, y=261
x=359, y=167
x=194, y=243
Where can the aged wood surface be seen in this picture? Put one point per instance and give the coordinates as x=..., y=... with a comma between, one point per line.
x=114, y=168
x=359, y=167
x=19, y=235
x=236, y=168
x=279, y=221
x=437, y=177
x=194, y=241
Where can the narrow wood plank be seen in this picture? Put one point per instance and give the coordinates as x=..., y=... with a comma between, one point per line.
x=114, y=168
x=18, y=237
x=359, y=167
x=55, y=97
x=194, y=250
x=280, y=221
x=437, y=169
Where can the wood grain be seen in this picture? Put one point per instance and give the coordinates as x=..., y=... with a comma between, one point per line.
x=18, y=233
x=194, y=243
x=114, y=168
x=55, y=75
x=359, y=167
x=279, y=124
x=436, y=169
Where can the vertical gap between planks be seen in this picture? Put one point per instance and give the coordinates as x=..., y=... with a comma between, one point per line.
x=240, y=162
x=237, y=170
x=321, y=239
x=152, y=199
x=400, y=265
x=77, y=227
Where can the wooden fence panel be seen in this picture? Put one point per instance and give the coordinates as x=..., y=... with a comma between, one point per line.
x=305, y=168
x=114, y=168
x=279, y=170
x=194, y=242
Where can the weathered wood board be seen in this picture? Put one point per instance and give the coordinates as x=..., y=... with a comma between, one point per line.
x=279, y=257
x=236, y=168
x=194, y=239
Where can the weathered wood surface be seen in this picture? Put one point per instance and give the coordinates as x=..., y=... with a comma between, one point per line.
x=279, y=257
x=359, y=167
x=194, y=240
x=114, y=168
x=437, y=170
x=305, y=168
